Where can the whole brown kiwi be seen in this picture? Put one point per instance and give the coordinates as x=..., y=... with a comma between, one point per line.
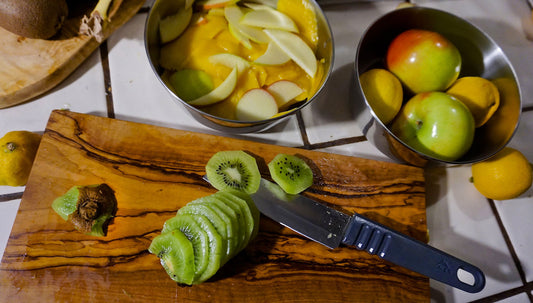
x=38, y=19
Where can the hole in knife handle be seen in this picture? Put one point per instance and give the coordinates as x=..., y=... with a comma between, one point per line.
x=466, y=277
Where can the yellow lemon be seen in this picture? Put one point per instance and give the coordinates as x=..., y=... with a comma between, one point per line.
x=384, y=93
x=506, y=175
x=303, y=14
x=480, y=95
x=17, y=152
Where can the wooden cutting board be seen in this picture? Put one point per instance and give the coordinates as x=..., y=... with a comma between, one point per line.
x=31, y=67
x=155, y=171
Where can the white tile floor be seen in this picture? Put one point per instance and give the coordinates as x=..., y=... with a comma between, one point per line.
x=494, y=235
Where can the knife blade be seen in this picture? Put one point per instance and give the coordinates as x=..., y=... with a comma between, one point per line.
x=332, y=228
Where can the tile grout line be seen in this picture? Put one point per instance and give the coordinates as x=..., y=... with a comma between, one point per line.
x=9, y=197
x=107, y=79
x=511, y=248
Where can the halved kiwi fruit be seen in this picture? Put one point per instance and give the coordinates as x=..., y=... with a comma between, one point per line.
x=291, y=173
x=176, y=254
x=233, y=169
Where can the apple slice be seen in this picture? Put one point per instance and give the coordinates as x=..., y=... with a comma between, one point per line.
x=295, y=48
x=273, y=56
x=172, y=26
x=269, y=18
x=284, y=91
x=235, y=32
x=233, y=15
x=209, y=4
x=256, y=104
x=231, y=61
x=270, y=3
x=218, y=94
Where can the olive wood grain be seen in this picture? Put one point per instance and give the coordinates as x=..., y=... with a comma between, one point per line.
x=154, y=171
x=31, y=67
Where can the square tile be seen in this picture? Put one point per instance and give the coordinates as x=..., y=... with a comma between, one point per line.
x=461, y=223
x=138, y=96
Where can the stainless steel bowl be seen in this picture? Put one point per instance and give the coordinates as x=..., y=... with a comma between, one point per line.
x=481, y=56
x=163, y=8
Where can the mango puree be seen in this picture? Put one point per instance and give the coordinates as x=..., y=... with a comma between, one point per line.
x=207, y=35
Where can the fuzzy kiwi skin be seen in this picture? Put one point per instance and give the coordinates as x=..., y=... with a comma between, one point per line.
x=37, y=19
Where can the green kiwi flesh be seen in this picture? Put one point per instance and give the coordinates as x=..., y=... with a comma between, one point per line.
x=217, y=227
x=291, y=173
x=89, y=208
x=176, y=254
x=233, y=169
x=198, y=237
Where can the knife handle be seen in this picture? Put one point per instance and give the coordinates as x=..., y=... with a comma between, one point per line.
x=412, y=254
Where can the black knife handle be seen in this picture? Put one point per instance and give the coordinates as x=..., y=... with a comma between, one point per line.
x=412, y=254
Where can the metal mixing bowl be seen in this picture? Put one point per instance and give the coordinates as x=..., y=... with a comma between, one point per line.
x=163, y=8
x=481, y=56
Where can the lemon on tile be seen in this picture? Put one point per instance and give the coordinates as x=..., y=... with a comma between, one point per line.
x=480, y=95
x=303, y=14
x=383, y=92
x=17, y=152
x=506, y=175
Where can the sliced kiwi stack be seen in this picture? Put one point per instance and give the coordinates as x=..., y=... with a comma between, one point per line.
x=204, y=235
x=235, y=170
x=291, y=173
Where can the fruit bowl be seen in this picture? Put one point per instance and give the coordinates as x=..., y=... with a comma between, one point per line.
x=216, y=115
x=481, y=57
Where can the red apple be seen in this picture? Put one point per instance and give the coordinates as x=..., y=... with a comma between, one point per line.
x=423, y=60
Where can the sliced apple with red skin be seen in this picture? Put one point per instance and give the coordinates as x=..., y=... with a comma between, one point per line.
x=284, y=91
x=295, y=48
x=233, y=15
x=256, y=104
x=269, y=18
x=172, y=26
x=218, y=94
x=273, y=56
x=231, y=61
x=209, y=4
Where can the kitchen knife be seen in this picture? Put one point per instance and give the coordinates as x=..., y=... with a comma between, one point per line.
x=332, y=228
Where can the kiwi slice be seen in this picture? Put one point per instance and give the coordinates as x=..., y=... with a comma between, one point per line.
x=235, y=212
x=216, y=249
x=291, y=173
x=197, y=207
x=176, y=254
x=251, y=207
x=246, y=218
x=233, y=169
x=198, y=237
x=229, y=219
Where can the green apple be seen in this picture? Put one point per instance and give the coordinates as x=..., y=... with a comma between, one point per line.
x=423, y=60
x=435, y=124
x=172, y=26
x=273, y=56
x=220, y=93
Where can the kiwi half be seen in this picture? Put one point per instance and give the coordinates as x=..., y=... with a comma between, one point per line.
x=291, y=173
x=233, y=170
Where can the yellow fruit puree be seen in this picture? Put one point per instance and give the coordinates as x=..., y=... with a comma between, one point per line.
x=207, y=35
